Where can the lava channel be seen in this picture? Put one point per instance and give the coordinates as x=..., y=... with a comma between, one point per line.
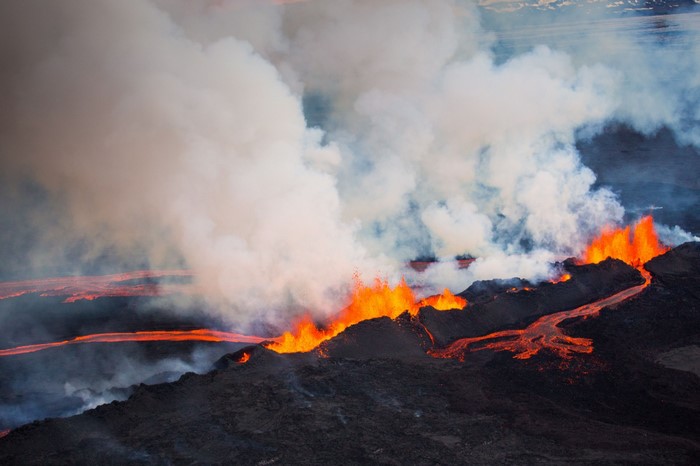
x=635, y=246
x=366, y=302
x=155, y=335
x=543, y=333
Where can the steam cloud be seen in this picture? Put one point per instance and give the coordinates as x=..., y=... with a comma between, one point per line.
x=277, y=149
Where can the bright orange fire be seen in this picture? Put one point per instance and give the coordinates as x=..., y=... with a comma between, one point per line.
x=244, y=358
x=367, y=302
x=442, y=302
x=634, y=246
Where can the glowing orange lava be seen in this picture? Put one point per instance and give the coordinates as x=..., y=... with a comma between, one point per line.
x=244, y=358
x=93, y=287
x=367, y=302
x=515, y=289
x=156, y=335
x=634, y=246
x=564, y=278
x=441, y=302
x=543, y=333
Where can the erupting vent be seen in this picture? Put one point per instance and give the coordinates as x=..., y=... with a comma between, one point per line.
x=367, y=302
x=634, y=246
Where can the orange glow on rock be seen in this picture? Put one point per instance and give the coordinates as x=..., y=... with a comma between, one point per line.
x=442, y=302
x=564, y=278
x=367, y=302
x=244, y=358
x=545, y=332
x=518, y=290
x=635, y=246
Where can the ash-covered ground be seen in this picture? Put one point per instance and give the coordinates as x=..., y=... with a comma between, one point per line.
x=372, y=395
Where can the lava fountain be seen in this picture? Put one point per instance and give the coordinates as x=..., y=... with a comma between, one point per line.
x=635, y=246
x=367, y=302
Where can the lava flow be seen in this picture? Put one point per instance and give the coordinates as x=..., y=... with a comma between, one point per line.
x=99, y=286
x=367, y=302
x=543, y=333
x=156, y=335
x=634, y=247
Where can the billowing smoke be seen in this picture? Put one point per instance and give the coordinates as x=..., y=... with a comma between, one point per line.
x=277, y=149
x=154, y=138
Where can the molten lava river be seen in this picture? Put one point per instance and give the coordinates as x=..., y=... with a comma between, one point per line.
x=634, y=246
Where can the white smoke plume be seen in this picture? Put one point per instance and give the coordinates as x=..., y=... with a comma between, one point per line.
x=154, y=137
x=177, y=128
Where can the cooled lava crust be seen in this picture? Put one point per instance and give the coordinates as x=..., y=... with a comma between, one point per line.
x=373, y=395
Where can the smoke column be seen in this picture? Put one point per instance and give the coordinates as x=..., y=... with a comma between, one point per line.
x=275, y=149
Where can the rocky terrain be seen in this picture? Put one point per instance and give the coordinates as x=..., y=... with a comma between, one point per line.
x=372, y=395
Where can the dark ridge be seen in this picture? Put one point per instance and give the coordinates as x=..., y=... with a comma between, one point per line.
x=258, y=356
x=679, y=267
x=482, y=291
x=369, y=396
x=494, y=307
x=665, y=317
x=399, y=338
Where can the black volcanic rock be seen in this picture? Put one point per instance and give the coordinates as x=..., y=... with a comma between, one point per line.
x=372, y=401
x=507, y=308
x=482, y=291
x=399, y=338
x=330, y=411
x=665, y=316
x=257, y=355
x=678, y=268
